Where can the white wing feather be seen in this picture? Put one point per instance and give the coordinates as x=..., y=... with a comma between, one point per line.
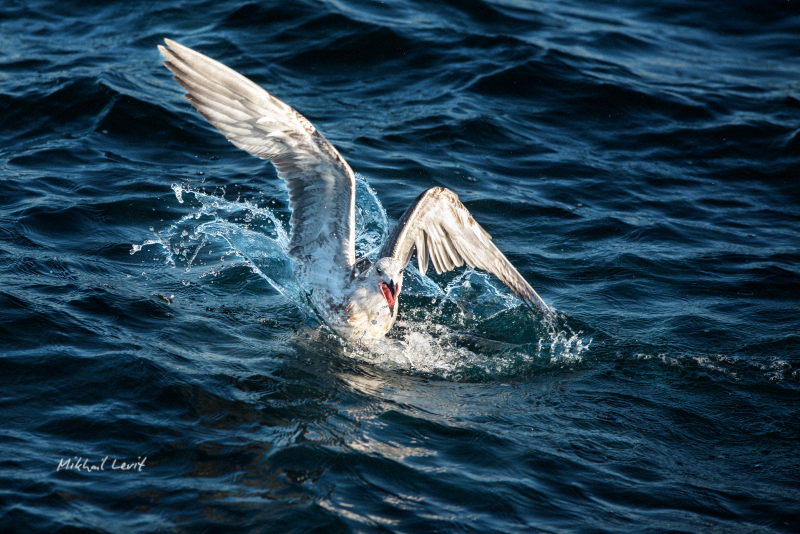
x=443, y=231
x=320, y=182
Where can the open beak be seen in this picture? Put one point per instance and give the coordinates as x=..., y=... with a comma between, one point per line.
x=389, y=292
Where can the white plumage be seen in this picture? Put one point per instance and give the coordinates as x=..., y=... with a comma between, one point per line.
x=356, y=301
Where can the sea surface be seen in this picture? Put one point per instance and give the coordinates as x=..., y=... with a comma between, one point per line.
x=639, y=162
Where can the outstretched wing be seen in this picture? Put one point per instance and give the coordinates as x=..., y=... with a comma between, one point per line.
x=443, y=230
x=320, y=182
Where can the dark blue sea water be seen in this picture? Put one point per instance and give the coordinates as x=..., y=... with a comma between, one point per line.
x=639, y=162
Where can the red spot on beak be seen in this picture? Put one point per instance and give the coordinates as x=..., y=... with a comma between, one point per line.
x=386, y=289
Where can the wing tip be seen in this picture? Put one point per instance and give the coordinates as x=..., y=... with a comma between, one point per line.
x=170, y=50
x=536, y=304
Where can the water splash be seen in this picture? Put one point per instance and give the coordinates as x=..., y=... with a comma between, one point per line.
x=736, y=367
x=479, y=353
x=463, y=325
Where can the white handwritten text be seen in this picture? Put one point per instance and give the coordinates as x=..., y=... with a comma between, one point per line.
x=79, y=463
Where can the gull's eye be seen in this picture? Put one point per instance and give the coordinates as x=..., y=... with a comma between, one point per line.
x=379, y=270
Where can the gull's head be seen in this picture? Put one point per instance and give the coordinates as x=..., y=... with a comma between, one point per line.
x=387, y=274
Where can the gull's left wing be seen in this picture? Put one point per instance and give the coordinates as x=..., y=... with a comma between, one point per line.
x=443, y=231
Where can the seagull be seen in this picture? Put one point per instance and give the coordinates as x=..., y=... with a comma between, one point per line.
x=357, y=299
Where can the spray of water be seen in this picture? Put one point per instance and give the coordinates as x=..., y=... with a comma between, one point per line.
x=462, y=325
